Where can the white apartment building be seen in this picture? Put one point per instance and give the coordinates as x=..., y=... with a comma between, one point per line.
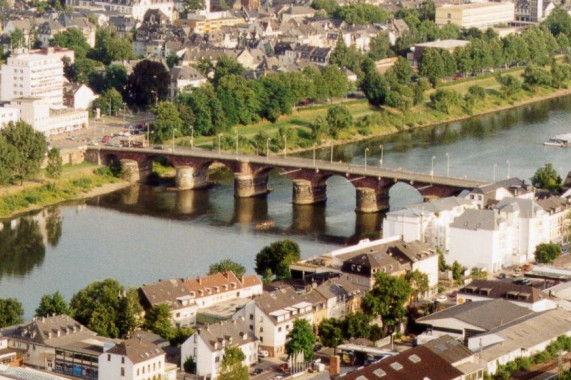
x=207, y=345
x=7, y=115
x=428, y=222
x=558, y=209
x=135, y=359
x=271, y=317
x=186, y=297
x=133, y=8
x=36, y=74
x=50, y=121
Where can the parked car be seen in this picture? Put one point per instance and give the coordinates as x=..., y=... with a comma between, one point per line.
x=283, y=367
x=501, y=276
x=263, y=354
x=257, y=371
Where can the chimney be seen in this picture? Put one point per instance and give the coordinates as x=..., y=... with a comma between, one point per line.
x=199, y=281
x=334, y=365
x=242, y=279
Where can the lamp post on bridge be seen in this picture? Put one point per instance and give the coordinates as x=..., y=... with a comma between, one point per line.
x=509, y=168
x=382, y=153
x=366, y=150
x=268, y=148
x=495, y=168
x=314, y=145
x=285, y=146
x=237, y=141
x=432, y=167
x=447, y=164
x=219, y=136
x=191, y=137
x=173, y=130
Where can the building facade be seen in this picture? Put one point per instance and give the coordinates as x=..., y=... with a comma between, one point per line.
x=475, y=15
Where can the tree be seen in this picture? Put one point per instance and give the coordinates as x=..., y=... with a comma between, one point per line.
x=357, y=325
x=192, y=5
x=418, y=282
x=167, y=123
x=109, y=102
x=227, y=265
x=29, y=148
x=445, y=100
x=11, y=312
x=338, y=118
x=330, y=332
x=380, y=47
x=431, y=65
x=73, y=39
x=559, y=22
x=55, y=164
x=148, y=83
x=301, y=339
x=335, y=81
x=232, y=366
x=109, y=46
x=373, y=84
x=52, y=304
x=158, y=320
x=387, y=299
x=457, y=271
x=546, y=178
x=189, y=365
x=17, y=39
x=510, y=85
x=535, y=76
x=277, y=257
x=403, y=71
x=106, y=308
x=546, y=253
x=172, y=60
x=116, y=77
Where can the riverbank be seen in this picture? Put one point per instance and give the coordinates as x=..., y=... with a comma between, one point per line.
x=75, y=186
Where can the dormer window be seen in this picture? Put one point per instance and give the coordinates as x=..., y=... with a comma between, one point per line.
x=217, y=289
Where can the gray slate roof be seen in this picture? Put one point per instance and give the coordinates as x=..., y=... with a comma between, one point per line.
x=231, y=332
x=477, y=220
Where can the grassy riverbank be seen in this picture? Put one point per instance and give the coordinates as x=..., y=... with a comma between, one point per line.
x=379, y=121
x=77, y=182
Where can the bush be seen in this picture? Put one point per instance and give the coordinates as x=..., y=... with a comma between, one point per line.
x=189, y=365
x=523, y=363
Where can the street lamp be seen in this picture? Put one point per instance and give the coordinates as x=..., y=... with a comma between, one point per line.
x=495, y=168
x=366, y=150
x=509, y=168
x=314, y=145
x=432, y=167
x=191, y=137
x=382, y=153
x=174, y=129
x=447, y=164
x=331, y=156
x=219, y=136
x=237, y=142
x=285, y=146
x=124, y=123
x=268, y=148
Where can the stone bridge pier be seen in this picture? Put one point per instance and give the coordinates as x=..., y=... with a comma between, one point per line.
x=309, y=191
x=372, y=194
x=191, y=177
x=250, y=180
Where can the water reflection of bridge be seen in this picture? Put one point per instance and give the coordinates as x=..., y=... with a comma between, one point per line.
x=309, y=177
x=247, y=212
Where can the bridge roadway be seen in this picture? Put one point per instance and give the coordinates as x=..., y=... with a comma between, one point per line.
x=309, y=176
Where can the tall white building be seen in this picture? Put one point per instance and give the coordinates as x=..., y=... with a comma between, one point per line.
x=37, y=74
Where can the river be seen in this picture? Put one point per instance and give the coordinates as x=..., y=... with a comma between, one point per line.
x=142, y=234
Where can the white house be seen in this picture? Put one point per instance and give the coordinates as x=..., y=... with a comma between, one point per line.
x=7, y=115
x=186, y=296
x=207, y=345
x=183, y=78
x=78, y=96
x=558, y=210
x=493, y=192
x=271, y=317
x=428, y=222
x=135, y=359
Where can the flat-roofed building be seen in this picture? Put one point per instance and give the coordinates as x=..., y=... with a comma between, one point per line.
x=475, y=15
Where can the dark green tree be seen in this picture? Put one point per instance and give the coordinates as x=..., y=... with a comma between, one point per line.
x=380, y=47
x=546, y=253
x=277, y=257
x=74, y=39
x=116, y=77
x=330, y=332
x=148, y=83
x=418, y=282
x=167, y=122
x=357, y=325
x=106, y=308
x=373, y=84
x=52, y=304
x=232, y=366
x=558, y=22
x=535, y=76
x=335, y=80
x=301, y=339
x=338, y=118
x=546, y=178
x=226, y=66
x=30, y=148
x=172, y=60
x=55, y=164
x=510, y=85
x=403, y=71
x=387, y=299
x=431, y=65
x=158, y=320
x=110, y=102
x=225, y=265
x=11, y=312
x=109, y=46
x=17, y=39
x=445, y=100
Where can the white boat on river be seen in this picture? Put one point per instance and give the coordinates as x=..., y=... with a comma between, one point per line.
x=559, y=140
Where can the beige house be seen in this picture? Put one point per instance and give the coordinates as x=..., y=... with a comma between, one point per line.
x=475, y=15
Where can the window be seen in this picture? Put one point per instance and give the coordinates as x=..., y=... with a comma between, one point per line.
x=279, y=329
x=122, y=371
x=251, y=317
x=217, y=359
x=108, y=357
x=123, y=360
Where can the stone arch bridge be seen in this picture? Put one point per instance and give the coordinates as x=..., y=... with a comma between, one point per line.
x=372, y=184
